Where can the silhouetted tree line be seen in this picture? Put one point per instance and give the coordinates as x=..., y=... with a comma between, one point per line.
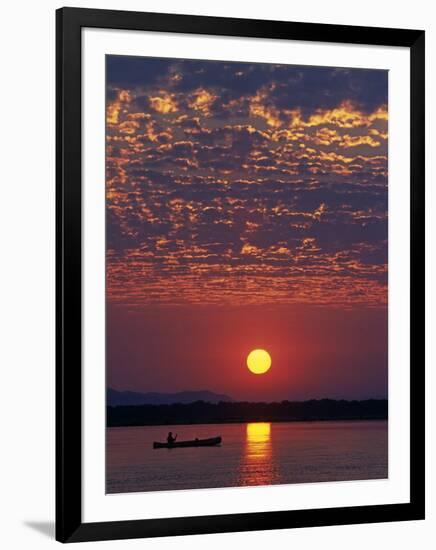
x=201, y=412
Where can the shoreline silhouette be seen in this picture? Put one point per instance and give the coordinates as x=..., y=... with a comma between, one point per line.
x=201, y=412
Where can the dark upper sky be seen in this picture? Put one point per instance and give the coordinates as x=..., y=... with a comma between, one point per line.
x=233, y=186
x=301, y=87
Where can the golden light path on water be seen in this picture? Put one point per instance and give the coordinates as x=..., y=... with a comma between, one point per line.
x=258, y=433
x=257, y=467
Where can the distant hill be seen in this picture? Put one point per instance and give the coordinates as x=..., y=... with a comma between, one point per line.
x=117, y=398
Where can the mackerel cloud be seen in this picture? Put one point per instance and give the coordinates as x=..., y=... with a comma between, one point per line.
x=238, y=183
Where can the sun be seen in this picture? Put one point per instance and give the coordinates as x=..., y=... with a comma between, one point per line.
x=259, y=361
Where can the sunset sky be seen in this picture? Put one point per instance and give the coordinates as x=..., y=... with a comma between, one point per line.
x=246, y=208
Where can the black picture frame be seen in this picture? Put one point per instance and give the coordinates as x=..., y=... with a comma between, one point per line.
x=69, y=525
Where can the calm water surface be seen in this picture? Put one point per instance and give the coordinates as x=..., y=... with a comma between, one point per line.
x=258, y=453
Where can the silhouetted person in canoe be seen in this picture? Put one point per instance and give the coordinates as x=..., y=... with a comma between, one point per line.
x=171, y=439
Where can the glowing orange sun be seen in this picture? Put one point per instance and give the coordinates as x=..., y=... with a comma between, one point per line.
x=259, y=361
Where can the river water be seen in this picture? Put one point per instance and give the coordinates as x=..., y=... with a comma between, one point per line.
x=259, y=453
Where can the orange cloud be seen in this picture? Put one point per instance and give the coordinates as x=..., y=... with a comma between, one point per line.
x=343, y=116
x=201, y=100
x=114, y=108
x=164, y=103
x=128, y=127
x=269, y=113
x=354, y=141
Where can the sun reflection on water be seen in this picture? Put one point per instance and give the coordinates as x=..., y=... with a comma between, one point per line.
x=258, y=433
x=257, y=465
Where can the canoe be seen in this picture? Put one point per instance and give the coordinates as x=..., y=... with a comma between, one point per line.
x=192, y=443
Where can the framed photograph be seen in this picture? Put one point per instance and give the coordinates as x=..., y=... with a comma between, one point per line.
x=240, y=275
